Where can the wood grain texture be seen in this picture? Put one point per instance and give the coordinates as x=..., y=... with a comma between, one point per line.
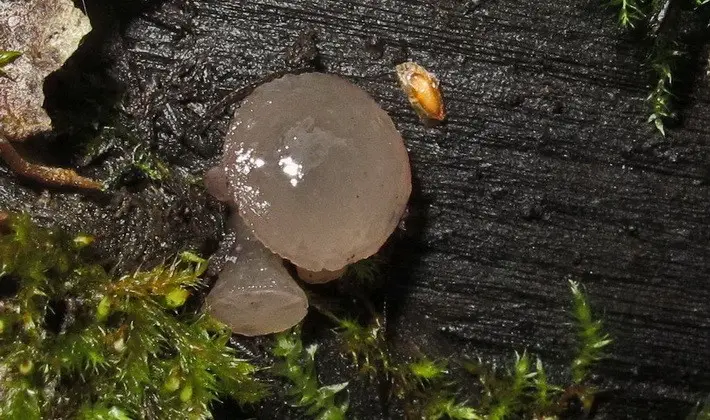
x=545, y=171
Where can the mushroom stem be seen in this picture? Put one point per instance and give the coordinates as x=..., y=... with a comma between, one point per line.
x=255, y=294
x=316, y=277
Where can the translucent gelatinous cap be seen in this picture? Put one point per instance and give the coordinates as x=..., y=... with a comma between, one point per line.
x=255, y=294
x=318, y=170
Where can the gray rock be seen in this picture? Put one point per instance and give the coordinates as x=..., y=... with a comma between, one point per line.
x=47, y=32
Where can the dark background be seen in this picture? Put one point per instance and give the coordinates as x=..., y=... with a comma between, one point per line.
x=545, y=170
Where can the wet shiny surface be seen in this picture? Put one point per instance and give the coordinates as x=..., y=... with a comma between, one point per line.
x=255, y=294
x=545, y=169
x=317, y=169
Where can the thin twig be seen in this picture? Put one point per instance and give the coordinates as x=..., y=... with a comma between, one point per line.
x=46, y=175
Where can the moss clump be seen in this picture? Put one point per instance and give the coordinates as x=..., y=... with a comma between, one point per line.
x=629, y=12
x=592, y=339
x=659, y=22
x=77, y=343
x=296, y=363
x=426, y=388
x=422, y=385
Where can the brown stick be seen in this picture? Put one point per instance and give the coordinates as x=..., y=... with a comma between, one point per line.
x=43, y=174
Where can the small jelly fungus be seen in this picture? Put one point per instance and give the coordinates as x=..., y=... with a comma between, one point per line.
x=317, y=170
x=255, y=294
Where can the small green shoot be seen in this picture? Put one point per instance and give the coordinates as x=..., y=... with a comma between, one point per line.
x=7, y=57
x=629, y=12
x=545, y=393
x=442, y=406
x=365, y=344
x=427, y=369
x=152, y=167
x=661, y=97
x=297, y=365
x=99, y=412
x=509, y=401
x=591, y=336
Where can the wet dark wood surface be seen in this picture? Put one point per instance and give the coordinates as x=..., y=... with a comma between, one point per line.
x=545, y=171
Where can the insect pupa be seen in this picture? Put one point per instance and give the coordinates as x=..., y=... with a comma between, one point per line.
x=422, y=89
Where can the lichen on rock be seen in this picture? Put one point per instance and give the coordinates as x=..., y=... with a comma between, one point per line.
x=47, y=32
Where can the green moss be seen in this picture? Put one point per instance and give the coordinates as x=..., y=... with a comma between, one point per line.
x=77, y=342
x=132, y=157
x=7, y=57
x=296, y=363
x=423, y=385
x=431, y=389
x=663, y=56
x=99, y=412
x=630, y=12
x=545, y=394
x=445, y=407
x=592, y=339
x=367, y=272
x=509, y=397
x=427, y=370
x=663, y=62
x=149, y=165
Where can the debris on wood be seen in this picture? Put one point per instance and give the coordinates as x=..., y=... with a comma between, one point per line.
x=58, y=177
x=422, y=89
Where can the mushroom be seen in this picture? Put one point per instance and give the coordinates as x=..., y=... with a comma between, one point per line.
x=255, y=294
x=317, y=171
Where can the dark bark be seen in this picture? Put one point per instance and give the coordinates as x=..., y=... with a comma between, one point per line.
x=545, y=170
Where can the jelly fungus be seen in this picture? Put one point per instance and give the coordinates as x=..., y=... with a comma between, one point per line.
x=255, y=294
x=317, y=169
